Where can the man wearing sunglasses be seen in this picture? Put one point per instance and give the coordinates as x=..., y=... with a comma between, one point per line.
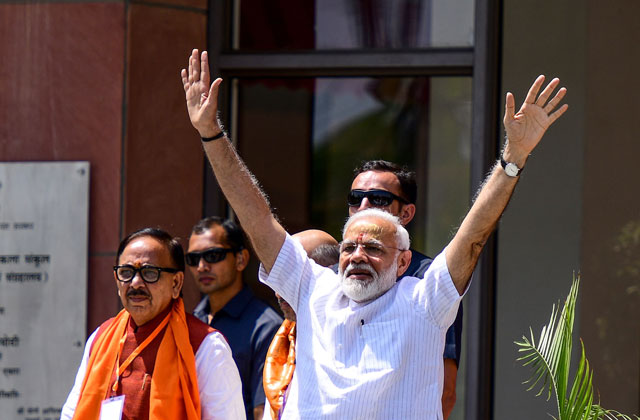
x=217, y=258
x=368, y=346
x=154, y=361
x=389, y=187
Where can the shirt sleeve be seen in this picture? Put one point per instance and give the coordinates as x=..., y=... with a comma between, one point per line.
x=435, y=294
x=293, y=275
x=218, y=380
x=70, y=405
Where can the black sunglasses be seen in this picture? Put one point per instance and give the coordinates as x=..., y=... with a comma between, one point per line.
x=211, y=255
x=378, y=198
x=149, y=273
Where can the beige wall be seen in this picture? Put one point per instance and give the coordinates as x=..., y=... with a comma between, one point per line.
x=611, y=204
x=539, y=236
x=576, y=195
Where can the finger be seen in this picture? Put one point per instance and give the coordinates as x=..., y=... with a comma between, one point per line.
x=213, y=91
x=185, y=79
x=542, y=99
x=195, y=60
x=534, y=89
x=555, y=101
x=558, y=113
x=509, y=107
x=204, y=68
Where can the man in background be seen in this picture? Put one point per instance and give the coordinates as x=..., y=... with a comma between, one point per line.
x=217, y=257
x=392, y=188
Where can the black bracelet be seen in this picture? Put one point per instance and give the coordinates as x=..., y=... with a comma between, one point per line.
x=216, y=137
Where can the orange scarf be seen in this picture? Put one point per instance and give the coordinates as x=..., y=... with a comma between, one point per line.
x=174, y=384
x=279, y=365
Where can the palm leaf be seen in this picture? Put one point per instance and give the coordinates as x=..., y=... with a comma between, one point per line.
x=550, y=361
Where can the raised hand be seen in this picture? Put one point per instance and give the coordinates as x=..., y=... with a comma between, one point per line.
x=526, y=127
x=202, y=99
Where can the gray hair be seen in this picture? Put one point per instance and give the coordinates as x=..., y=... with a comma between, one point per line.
x=402, y=236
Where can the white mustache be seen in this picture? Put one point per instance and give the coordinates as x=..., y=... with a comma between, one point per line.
x=360, y=266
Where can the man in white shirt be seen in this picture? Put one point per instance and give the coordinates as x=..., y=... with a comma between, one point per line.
x=368, y=346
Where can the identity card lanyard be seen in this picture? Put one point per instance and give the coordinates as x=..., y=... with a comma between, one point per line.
x=137, y=351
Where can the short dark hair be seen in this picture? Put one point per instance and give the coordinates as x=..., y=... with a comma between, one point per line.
x=407, y=178
x=173, y=246
x=326, y=254
x=234, y=234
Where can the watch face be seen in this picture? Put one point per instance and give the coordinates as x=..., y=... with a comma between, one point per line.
x=511, y=169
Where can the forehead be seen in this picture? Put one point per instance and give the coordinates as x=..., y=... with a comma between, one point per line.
x=146, y=250
x=371, y=229
x=377, y=180
x=214, y=237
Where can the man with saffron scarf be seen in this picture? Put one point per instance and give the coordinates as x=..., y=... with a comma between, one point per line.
x=154, y=361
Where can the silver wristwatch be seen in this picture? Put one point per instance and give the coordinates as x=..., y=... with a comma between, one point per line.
x=511, y=169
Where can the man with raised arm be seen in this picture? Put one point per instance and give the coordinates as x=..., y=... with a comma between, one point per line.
x=368, y=346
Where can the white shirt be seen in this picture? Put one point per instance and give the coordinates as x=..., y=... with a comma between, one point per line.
x=218, y=381
x=377, y=360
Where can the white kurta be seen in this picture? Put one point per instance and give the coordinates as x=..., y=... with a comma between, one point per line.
x=218, y=381
x=378, y=360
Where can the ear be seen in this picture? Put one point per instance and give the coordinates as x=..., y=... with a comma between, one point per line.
x=242, y=259
x=406, y=213
x=404, y=259
x=176, y=285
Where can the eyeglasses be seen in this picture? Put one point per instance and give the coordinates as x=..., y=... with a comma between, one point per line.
x=149, y=273
x=378, y=198
x=211, y=255
x=372, y=249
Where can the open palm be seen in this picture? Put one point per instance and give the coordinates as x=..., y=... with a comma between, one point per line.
x=202, y=99
x=526, y=127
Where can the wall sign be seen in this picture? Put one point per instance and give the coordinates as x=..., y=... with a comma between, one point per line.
x=44, y=211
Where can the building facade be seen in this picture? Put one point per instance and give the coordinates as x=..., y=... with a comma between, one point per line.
x=313, y=88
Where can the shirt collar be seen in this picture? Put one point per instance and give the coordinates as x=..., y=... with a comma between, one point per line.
x=233, y=308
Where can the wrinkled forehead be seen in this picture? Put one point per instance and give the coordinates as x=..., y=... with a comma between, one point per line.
x=371, y=229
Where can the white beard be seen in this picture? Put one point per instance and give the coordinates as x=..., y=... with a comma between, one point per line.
x=363, y=291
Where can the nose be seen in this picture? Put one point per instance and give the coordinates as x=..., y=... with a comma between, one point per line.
x=136, y=281
x=358, y=255
x=364, y=204
x=202, y=265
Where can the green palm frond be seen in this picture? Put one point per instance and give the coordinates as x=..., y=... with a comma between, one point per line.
x=550, y=360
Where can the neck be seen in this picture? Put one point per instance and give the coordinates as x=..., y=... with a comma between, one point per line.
x=219, y=298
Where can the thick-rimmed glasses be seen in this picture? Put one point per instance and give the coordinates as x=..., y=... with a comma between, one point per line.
x=149, y=273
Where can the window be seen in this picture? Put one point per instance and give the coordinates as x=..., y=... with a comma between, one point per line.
x=313, y=88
